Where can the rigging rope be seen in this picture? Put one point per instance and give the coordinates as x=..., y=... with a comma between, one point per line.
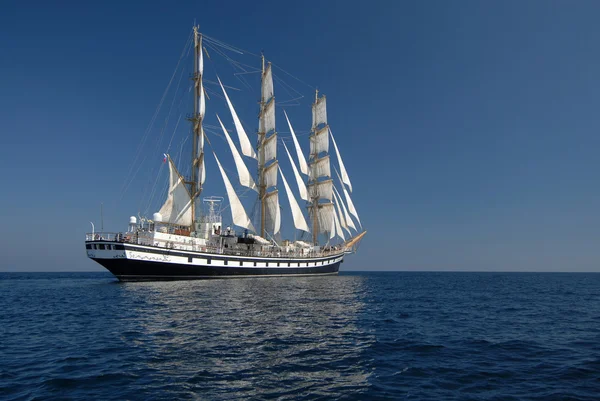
x=159, y=140
x=153, y=192
x=128, y=178
x=241, y=71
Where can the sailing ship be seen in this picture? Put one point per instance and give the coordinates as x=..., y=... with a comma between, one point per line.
x=181, y=242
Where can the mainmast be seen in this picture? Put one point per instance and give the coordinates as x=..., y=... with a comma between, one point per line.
x=319, y=167
x=261, y=156
x=270, y=219
x=198, y=173
x=314, y=196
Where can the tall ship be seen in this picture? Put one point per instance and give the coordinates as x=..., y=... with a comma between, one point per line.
x=195, y=236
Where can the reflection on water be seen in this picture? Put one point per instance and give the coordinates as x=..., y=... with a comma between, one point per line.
x=251, y=337
x=427, y=336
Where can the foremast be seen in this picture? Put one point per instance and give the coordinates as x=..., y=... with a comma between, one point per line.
x=198, y=171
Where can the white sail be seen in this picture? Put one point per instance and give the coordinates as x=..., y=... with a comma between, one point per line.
x=351, y=207
x=338, y=228
x=202, y=102
x=347, y=217
x=270, y=147
x=342, y=219
x=202, y=171
x=201, y=176
x=267, y=84
x=319, y=142
x=271, y=175
x=319, y=110
x=267, y=118
x=345, y=177
x=200, y=56
x=333, y=227
x=273, y=213
x=177, y=209
x=299, y=221
x=242, y=136
x=301, y=158
x=243, y=173
x=299, y=181
x=320, y=168
x=322, y=189
x=325, y=221
x=238, y=213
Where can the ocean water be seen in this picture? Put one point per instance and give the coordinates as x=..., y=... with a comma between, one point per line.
x=363, y=336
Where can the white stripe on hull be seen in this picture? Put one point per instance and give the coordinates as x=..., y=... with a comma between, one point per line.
x=150, y=254
x=129, y=277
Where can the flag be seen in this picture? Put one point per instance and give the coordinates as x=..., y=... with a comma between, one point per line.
x=164, y=158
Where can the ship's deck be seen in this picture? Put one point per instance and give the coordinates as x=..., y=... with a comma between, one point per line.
x=112, y=241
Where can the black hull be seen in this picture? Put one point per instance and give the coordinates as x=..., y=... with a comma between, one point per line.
x=138, y=270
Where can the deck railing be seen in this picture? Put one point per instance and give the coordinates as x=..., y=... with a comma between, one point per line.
x=141, y=239
x=102, y=236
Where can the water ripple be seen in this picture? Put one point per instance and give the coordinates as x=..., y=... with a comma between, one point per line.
x=357, y=336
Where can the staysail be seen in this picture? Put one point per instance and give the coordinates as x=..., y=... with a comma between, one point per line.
x=238, y=213
x=301, y=158
x=347, y=217
x=345, y=177
x=299, y=180
x=177, y=209
x=242, y=136
x=245, y=177
x=342, y=219
x=299, y=221
x=351, y=207
x=338, y=228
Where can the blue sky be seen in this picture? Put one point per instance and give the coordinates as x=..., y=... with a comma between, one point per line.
x=469, y=129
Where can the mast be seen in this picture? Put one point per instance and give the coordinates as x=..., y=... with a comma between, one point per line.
x=315, y=194
x=267, y=156
x=261, y=157
x=197, y=132
x=320, y=185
